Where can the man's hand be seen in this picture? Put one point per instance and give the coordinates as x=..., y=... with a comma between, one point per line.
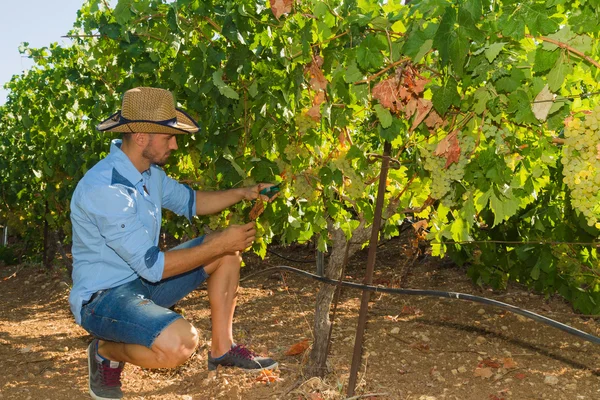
x=234, y=238
x=253, y=192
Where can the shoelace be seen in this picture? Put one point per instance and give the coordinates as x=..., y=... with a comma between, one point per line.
x=110, y=376
x=243, y=351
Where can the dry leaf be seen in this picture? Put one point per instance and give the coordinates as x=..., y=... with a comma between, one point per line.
x=280, y=7
x=422, y=224
x=298, y=348
x=433, y=120
x=449, y=148
x=386, y=92
x=410, y=107
x=314, y=113
x=315, y=396
x=509, y=363
x=488, y=362
x=423, y=108
x=317, y=79
x=598, y=151
x=268, y=376
x=543, y=103
x=258, y=209
x=319, y=98
x=419, y=85
x=483, y=372
x=520, y=376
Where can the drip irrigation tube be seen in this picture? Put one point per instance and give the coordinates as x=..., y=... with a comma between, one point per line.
x=439, y=293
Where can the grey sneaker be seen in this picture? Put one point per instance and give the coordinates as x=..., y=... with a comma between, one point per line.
x=241, y=357
x=105, y=375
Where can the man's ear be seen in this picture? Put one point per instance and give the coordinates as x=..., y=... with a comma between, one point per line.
x=140, y=139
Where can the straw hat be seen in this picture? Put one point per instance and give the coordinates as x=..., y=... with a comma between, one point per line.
x=149, y=110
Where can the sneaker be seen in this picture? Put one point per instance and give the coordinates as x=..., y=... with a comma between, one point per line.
x=241, y=357
x=105, y=375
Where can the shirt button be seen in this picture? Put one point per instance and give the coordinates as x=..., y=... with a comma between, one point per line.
x=122, y=225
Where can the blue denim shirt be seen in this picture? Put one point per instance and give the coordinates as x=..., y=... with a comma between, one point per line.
x=116, y=217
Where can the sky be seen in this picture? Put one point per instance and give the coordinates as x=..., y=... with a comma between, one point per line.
x=39, y=22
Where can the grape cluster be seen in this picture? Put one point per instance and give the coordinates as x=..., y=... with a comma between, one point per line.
x=442, y=177
x=303, y=189
x=354, y=185
x=293, y=151
x=581, y=165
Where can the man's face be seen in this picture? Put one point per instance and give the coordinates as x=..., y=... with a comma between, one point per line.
x=159, y=148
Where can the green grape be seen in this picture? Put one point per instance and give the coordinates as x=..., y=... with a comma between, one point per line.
x=443, y=177
x=581, y=163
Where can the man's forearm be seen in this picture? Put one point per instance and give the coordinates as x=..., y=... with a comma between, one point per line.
x=213, y=202
x=182, y=260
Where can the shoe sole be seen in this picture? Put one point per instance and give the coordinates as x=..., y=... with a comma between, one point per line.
x=248, y=370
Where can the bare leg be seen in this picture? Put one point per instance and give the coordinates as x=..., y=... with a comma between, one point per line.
x=172, y=347
x=222, y=291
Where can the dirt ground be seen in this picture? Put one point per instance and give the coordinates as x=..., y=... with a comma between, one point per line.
x=417, y=348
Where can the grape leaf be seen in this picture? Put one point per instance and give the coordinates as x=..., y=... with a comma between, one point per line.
x=492, y=51
x=384, y=115
x=446, y=96
x=543, y=103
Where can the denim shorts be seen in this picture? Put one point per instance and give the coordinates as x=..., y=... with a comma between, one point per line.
x=138, y=311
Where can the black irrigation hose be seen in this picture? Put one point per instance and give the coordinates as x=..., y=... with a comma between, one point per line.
x=438, y=293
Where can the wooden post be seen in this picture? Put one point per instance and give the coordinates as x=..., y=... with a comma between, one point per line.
x=364, y=305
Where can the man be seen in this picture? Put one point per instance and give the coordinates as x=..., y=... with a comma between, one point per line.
x=123, y=285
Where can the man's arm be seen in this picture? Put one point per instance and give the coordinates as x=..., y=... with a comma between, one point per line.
x=235, y=238
x=213, y=202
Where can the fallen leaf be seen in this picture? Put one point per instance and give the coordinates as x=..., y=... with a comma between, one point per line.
x=280, y=7
x=268, y=376
x=298, y=348
x=520, y=376
x=485, y=373
x=315, y=396
x=509, y=363
x=488, y=362
x=420, y=346
x=598, y=151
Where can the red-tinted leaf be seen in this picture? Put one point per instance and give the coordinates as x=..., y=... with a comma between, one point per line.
x=314, y=113
x=386, y=92
x=411, y=107
x=280, y=7
x=449, y=148
x=319, y=98
x=423, y=108
x=317, y=79
x=433, y=120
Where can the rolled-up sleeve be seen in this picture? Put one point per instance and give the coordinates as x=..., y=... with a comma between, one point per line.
x=115, y=214
x=179, y=198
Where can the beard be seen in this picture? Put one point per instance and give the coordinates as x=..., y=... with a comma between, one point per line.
x=153, y=156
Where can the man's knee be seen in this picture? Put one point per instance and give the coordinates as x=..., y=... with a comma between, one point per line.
x=175, y=344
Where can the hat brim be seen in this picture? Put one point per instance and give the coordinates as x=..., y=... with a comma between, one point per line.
x=182, y=124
